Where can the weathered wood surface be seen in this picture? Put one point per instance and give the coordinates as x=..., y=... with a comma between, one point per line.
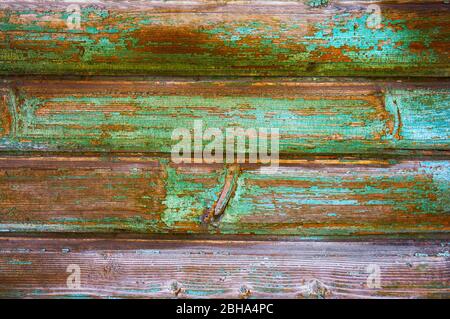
x=226, y=38
x=339, y=116
x=86, y=177
x=36, y=268
x=303, y=198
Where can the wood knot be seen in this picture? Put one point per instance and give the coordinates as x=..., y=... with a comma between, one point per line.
x=314, y=289
x=244, y=292
x=175, y=288
x=317, y=3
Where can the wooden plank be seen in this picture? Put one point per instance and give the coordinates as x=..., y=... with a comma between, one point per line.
x=36, y=268
x=326, y=116
x=340, y=38
x=320, y=198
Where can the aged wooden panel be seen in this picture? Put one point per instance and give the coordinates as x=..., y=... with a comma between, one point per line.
x=313, y=116
x=304, y=198
x=36, y=268
x=292, y=38
x=87, y=180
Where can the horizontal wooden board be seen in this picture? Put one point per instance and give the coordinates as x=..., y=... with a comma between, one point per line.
x=321, y=198
x=291, y=38
x=316, y=116
x=36, y=268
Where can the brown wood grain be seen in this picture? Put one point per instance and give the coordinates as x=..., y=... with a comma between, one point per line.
x=36, y=268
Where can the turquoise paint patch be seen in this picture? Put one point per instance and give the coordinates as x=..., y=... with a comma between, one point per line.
x=19, y=262
x=180, y=207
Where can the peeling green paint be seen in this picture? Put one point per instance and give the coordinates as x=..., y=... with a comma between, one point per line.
x=407, y=119
x=197, y=44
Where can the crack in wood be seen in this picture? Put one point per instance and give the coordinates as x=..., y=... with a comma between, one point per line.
x=215, y=212
x=398, y=124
